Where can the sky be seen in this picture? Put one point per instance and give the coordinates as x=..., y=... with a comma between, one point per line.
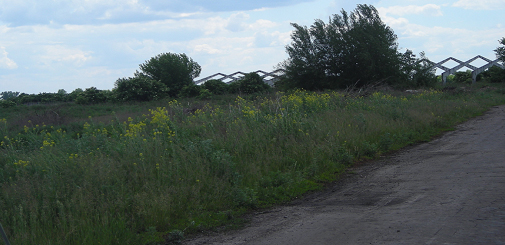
x=47, y=45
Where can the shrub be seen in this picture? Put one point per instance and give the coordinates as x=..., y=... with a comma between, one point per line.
x=7, y=103
x=74, y=94
x=91, y=96
x=234, y=87
x=463, y=77
x=494, y=74
x=205, y=94
x=139, y=88
x=190, y=90
x=250, y=83
x=216, y=86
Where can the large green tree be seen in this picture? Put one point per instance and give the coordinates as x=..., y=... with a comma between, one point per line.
x=352, y=49
x=174, y=70
x=500, y=51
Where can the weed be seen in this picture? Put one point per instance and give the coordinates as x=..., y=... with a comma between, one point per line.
x=148, y=173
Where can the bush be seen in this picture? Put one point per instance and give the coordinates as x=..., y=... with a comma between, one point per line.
x=250, y=83
x=7, y=103
x=74, y=94
x=216, y=86
x=463, y=77
x=91, y=96
x=234, y=87
x=205, y=94
x=139, y=88
x=494, y=74
x=190, y=90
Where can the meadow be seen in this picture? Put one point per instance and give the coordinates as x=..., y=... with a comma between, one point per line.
x=150, y=173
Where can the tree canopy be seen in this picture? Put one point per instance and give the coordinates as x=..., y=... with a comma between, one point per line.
x=354, y=48
x=500, y=51
x=173, y=70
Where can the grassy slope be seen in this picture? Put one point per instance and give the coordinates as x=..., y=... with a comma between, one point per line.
x=135, y=175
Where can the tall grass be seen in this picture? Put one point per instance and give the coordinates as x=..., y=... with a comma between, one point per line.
x=145, y=180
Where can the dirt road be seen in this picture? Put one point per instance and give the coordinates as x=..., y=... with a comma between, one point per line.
x=448, y=191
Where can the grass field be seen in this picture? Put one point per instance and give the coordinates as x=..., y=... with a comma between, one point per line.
x=148, y=173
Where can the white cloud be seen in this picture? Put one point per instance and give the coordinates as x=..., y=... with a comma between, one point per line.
x=456, y=42
x=480, y=5
x=236, y=22
x=61, y=54
x=395, y=22
x=206, y=48
x=29, y=12
x=272, y=39
x=262, y=24
x=428, y=9
x=5, y=62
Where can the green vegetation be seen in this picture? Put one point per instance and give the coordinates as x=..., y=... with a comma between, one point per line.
x=353, y=49
x=173, y=70
x=500, y=51
x=135, y=166
x=139, y=88
x=142, y=176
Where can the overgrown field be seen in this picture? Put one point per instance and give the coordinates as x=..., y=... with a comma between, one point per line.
x=183, y=168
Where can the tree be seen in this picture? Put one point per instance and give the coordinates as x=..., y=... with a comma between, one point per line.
x=7, y=95
x=500, y=51
x=352, y=49
x=416, y=72
x=139, y=88
x=173, y=70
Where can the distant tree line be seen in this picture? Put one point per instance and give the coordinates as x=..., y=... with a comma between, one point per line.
x=352, y=50
x=163, y=76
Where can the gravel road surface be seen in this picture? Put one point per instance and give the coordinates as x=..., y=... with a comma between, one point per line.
x=448, y=191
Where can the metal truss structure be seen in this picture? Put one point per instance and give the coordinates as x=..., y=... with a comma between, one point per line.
x=268, y=77
x=475, y=70
x=271, y=77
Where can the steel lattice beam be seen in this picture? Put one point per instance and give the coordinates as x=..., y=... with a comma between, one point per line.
x=274, y=76
x=475, y=70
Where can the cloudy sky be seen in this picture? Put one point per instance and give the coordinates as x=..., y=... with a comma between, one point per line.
x=46, y=45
